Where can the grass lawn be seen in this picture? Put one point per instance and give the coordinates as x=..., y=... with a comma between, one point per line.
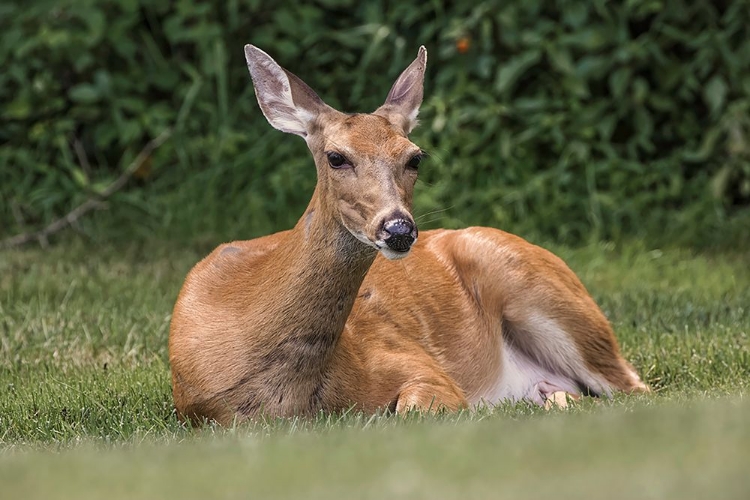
x=85, y=403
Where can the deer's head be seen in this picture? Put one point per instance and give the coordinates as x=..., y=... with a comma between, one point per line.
x=366, y=165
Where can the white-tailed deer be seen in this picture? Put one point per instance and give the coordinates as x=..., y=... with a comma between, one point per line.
x=347, y=310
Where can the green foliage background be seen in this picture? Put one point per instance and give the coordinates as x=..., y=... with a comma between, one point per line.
x=563, y=119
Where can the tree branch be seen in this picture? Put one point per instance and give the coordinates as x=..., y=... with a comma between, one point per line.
x=90, y=204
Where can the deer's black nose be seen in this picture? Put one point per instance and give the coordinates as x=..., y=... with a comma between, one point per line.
x=399, y=234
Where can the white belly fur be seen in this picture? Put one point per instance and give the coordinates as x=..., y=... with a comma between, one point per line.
x=520, y=378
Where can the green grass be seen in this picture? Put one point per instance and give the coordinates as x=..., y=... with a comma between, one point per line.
x=688, y=451
x=85, y=404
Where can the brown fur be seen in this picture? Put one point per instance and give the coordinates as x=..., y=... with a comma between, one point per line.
x=315, y=319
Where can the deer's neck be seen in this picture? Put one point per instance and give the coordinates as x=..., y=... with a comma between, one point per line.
x=321, y=269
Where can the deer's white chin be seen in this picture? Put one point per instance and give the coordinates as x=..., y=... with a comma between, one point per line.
x=392, y=254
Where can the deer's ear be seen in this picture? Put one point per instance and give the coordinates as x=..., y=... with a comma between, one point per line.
x=287, y=102
x=401, y=106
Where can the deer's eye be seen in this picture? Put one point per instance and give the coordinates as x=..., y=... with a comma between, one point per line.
x=337, y=160
x=414, y=161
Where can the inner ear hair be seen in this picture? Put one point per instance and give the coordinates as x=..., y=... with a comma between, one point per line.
x=287, y=102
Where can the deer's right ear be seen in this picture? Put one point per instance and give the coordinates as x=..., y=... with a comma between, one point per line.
x=287, y=102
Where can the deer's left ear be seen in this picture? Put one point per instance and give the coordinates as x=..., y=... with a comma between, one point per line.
x=401, y=107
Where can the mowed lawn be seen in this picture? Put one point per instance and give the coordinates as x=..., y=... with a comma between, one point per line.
x=86, y=412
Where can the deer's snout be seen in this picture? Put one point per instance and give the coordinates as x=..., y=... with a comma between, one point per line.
x=399, y=232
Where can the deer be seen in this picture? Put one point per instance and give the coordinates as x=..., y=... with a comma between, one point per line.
x=354, y=309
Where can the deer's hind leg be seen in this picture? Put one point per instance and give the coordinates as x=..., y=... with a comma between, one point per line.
x=552, y=332
x=567, y=334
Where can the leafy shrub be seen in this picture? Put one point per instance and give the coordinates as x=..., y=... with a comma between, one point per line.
x=565, y=120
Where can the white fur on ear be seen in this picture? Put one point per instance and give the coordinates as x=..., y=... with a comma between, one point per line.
x=273, y=90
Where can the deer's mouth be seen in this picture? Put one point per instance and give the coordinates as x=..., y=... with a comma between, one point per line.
x=392, y=254
x=401, y=250
x=394, y=238
x=397, y=246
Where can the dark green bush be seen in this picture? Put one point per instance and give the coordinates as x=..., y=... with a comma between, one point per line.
x=565, y=120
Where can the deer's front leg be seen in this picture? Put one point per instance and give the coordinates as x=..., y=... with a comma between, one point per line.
x=430, y=394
